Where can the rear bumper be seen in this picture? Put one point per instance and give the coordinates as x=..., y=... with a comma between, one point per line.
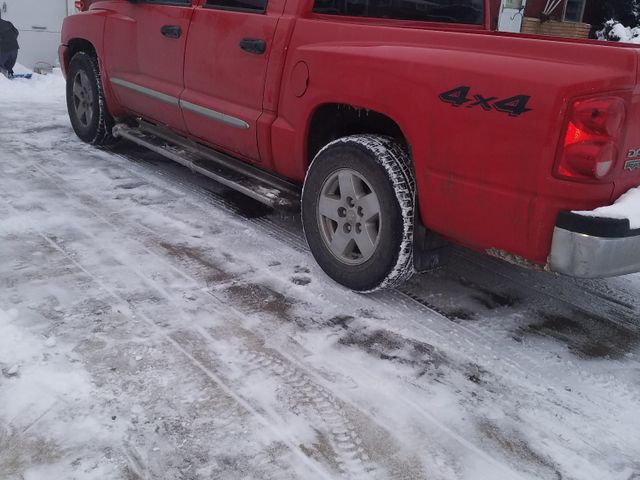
x=594, y=247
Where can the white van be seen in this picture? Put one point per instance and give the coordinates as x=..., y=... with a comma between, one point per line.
x=39, y=23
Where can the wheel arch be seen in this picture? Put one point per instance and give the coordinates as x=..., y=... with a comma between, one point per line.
x=76, y=45
x=330, y=121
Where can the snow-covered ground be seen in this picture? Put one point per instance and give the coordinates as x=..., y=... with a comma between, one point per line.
x=154, y=325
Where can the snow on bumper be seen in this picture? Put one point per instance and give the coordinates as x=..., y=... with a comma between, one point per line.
x=602, y=243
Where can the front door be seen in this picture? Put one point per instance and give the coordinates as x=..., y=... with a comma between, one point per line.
x=511, y=14
x=145, y=47
x=225, y=69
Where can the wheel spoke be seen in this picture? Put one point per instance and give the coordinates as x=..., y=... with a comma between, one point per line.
x=84, y=80
x=89, y=96
x=77, y=90
x=341, y=243
x=88, y=110
x=346, y=180
x=328, y=207
x=81, y=110
x=370, y=206
x=366, y=241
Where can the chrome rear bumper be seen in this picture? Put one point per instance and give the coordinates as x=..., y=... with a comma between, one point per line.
x=588, y=256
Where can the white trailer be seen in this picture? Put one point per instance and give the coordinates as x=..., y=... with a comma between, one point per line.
x=40, y=24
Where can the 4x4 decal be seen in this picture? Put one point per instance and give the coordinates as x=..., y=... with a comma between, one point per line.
x=513, y=106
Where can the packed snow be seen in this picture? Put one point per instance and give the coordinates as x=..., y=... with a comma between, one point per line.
x=616, y=32
x=154, y=325
x=626, y=207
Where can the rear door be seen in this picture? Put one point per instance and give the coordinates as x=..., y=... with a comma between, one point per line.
x=144, y=55
x=225, y=68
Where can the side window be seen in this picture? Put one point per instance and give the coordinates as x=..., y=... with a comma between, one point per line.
x=449, y=11
x=253, y=6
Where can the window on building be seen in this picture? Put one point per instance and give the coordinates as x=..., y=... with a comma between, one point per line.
x=573, y=10
x=449, y=11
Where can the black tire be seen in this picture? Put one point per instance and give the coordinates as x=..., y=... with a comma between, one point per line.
x=377, y=165
x=87, y=108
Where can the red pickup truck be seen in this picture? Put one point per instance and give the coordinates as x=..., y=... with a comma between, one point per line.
x=397, y=125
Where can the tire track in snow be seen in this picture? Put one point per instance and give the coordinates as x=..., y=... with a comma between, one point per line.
x=457, y=438
x=127, y=309
x=303, y=392
x=392, y=304
x=350, y=457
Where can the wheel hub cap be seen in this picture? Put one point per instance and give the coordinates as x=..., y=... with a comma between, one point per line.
x=348, y=213
x=83, y=101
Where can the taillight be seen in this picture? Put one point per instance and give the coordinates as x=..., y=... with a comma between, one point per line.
x=590, y=149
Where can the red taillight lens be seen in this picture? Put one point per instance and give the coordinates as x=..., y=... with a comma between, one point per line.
x=590, y=148
x=590, y=160
x=603, y=116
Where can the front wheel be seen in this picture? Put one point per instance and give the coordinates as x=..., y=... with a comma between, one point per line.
x=86, y=104
x=358, y=212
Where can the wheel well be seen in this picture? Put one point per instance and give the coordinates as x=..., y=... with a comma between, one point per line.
x=335, y=120
x=79, y=45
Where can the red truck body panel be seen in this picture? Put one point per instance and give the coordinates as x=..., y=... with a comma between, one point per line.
x=484, y=168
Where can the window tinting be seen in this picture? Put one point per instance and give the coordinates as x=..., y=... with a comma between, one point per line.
x=242, y=5
x=449, y=11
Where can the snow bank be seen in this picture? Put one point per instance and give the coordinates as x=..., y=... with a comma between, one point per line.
x=614, y=31
x=627, y=206
x=38, y=89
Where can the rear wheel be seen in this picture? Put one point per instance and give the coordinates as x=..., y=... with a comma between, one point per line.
x=85, y=101
x=357, y=212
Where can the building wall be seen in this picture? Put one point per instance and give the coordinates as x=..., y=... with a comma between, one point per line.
x=39, y=23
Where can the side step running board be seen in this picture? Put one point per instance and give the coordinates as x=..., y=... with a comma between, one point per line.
x=262, y=186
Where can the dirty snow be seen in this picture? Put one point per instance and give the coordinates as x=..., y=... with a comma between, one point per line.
x=626, y=207
x=154, y=325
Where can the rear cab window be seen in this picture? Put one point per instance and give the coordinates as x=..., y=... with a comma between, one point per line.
x=470, y=12
x=176, y=3
x=249, y=6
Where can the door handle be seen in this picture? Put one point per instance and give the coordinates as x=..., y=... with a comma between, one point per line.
x=171, y=31
x=253, y=45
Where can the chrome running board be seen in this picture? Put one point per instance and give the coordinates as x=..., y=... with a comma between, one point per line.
x=258, y=184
